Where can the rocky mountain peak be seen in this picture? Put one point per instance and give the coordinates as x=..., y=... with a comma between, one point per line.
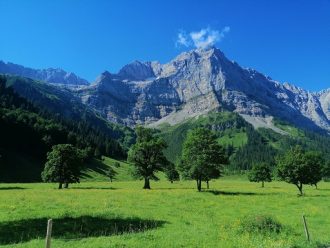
x=137, y=71
x=199, y=53
x=106, y=74
x=104, y=77
x=199, y=81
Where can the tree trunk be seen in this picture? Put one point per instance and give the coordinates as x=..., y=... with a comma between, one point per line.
x=300, y=186
x=262, y=184
x=60, y=186
x=199, y=185
x=146, y=183
x=111, y=180
x=207, y=184
x=66, y=185
x=171, y=181
x=315, y=185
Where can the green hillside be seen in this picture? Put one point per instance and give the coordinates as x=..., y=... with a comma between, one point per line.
x=29, y=128
x=95, y=171
x=230, y=128
x=244, y=144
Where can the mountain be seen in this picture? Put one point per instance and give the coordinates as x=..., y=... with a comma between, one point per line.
x=50, y=75
x=197, y=82
x=199, y=88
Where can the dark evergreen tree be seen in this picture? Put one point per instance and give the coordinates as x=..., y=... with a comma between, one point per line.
x=97, y=153
x=256, y=150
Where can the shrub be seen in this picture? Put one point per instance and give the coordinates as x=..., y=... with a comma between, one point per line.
x=261, y=224
x=116, y=164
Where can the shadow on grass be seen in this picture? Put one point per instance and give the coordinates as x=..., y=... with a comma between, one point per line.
x=10, y=188
x=90, y=187
x=307, y=195
x=183, y=188
x=219, y=192
x=96, y=166
x=319, y=245
x=72, y=228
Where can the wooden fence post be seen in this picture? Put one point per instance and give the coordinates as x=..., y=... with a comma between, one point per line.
x=305, y=227
x=49, y=232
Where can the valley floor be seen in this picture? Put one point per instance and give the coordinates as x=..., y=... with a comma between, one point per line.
x=121, y=214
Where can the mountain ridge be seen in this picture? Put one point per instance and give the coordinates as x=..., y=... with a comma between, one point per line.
x=50, y=75
x=217, y=83
x=197, y=82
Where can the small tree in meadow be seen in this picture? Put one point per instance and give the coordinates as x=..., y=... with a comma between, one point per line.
x=299, y=168
x=171, y=173
x=260, y=172
x=111, y=173
x=63, y=165
x=147, y=156
x=316, y=164
x=202, y=156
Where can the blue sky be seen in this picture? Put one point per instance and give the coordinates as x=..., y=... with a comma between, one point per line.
x=286, y=40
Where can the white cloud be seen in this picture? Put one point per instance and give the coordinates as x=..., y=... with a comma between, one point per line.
x=204, y=38
x=183, y=39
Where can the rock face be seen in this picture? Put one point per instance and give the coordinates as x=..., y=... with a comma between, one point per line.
x=137, y=71
x=324, y=98
x=197, y=82
x=55, y=76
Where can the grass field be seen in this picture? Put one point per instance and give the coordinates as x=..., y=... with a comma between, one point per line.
x=121, y=214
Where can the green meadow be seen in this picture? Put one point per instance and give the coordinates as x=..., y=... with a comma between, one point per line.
x=121, y=214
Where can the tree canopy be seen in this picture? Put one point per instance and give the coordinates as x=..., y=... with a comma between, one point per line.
x=171, y=173
x=202, y=156
x=299, y=167
x=260, y=172
x=147, y=155
x=63, y=165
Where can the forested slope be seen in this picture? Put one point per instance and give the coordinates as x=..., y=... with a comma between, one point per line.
x=29, y=128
